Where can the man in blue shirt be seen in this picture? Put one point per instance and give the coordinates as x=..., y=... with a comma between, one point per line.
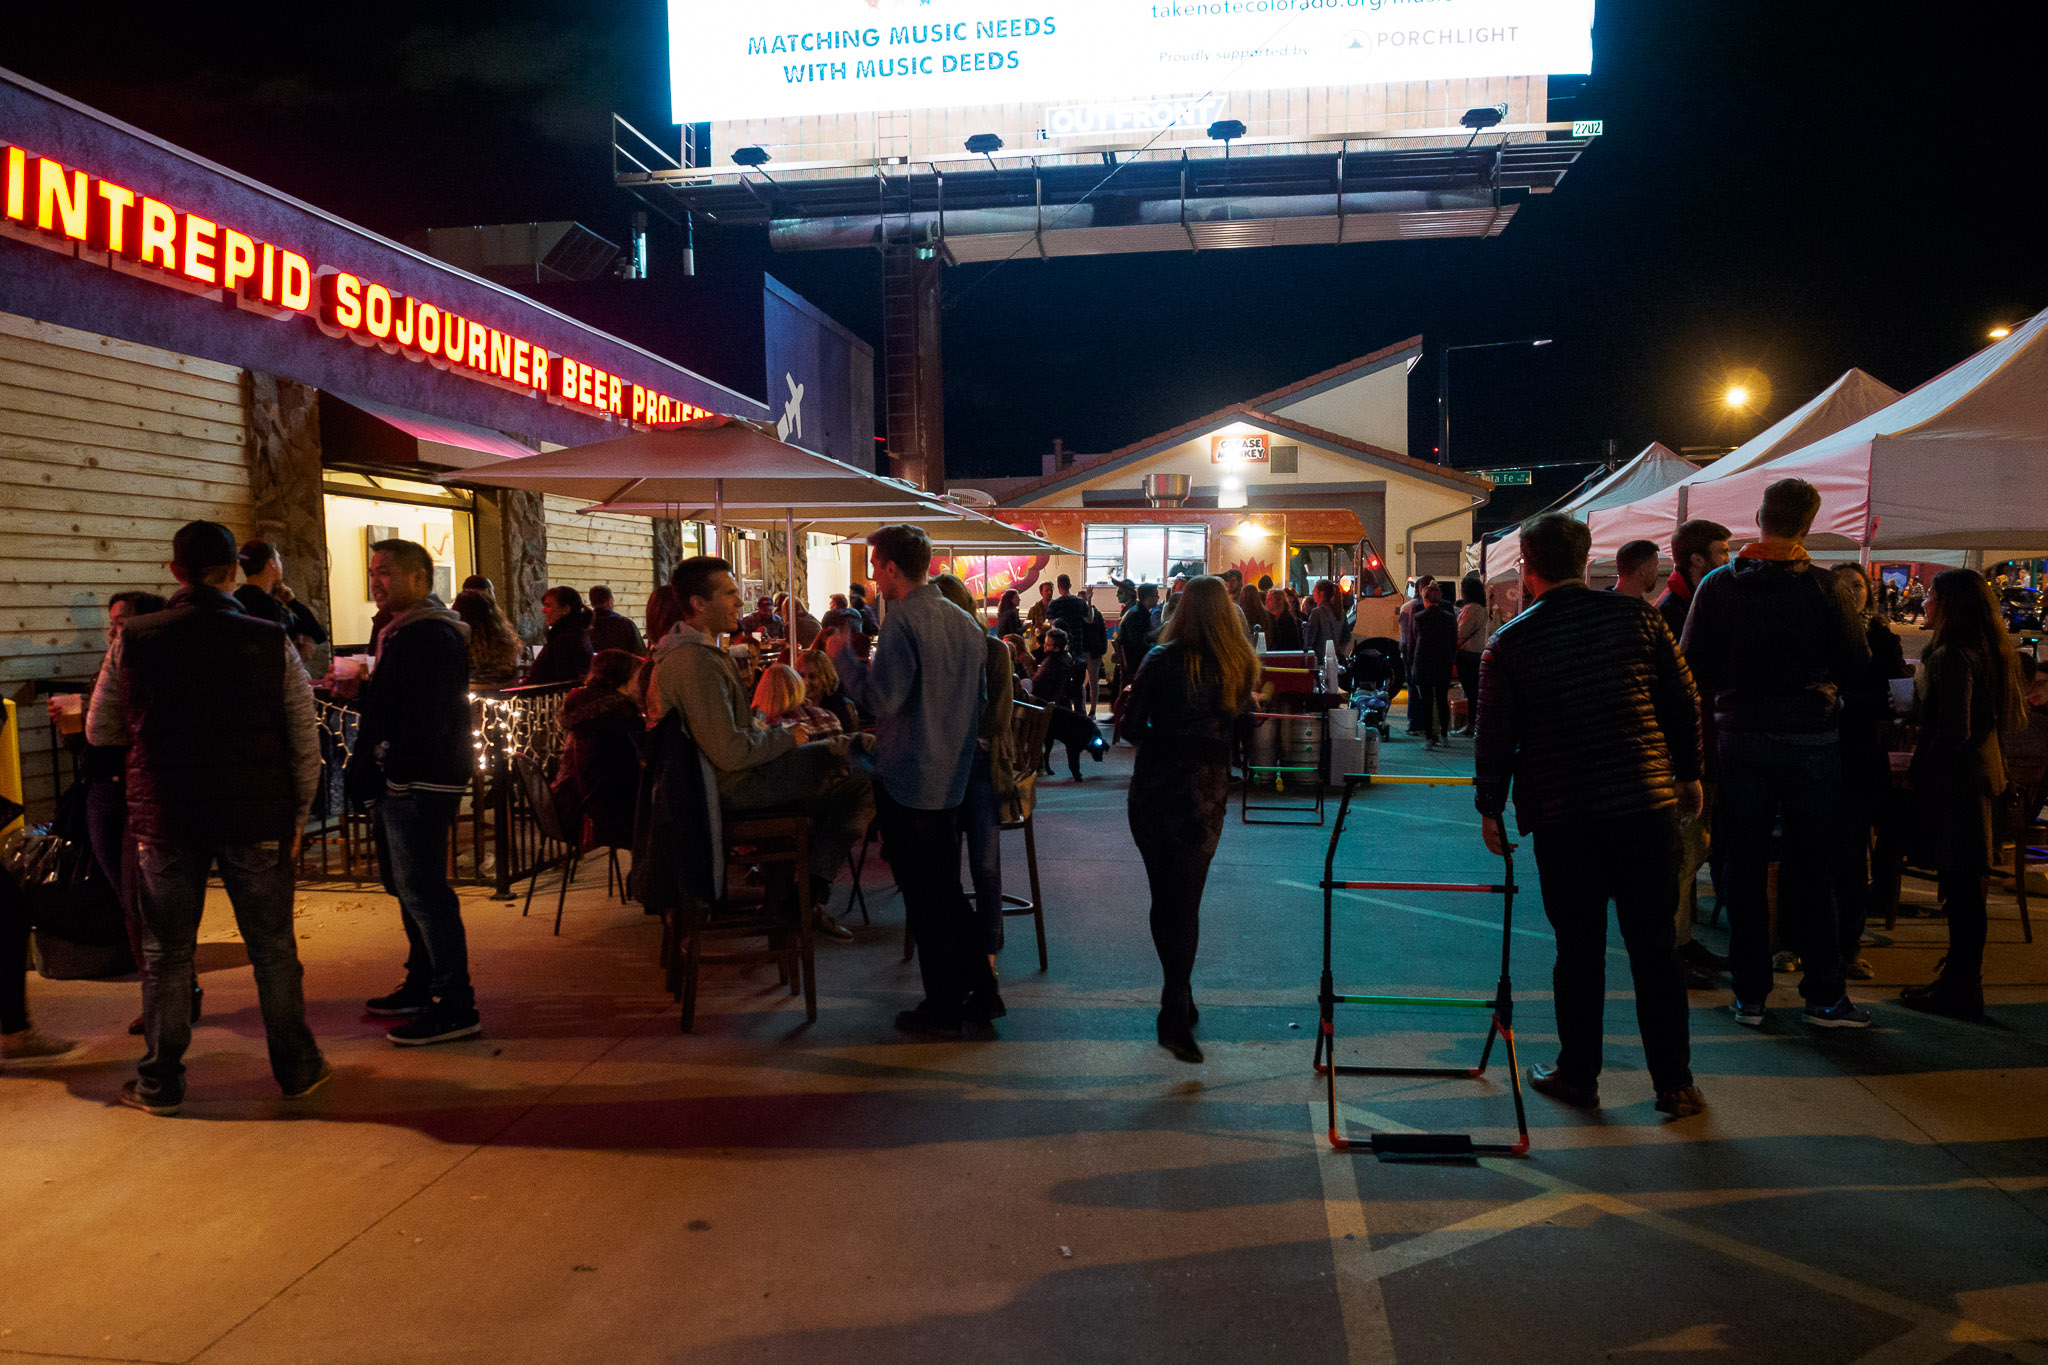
x=925, y=686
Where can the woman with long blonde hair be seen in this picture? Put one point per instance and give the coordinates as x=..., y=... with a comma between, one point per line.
x=1182, y=714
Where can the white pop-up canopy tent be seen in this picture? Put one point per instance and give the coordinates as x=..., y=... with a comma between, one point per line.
x=1848, y=400
x=1658, y=467
x=1960, y=463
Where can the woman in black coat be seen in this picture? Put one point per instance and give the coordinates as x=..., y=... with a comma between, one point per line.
x=1285, y=632
x=1009, y=620
x=567, y=654
x=598, y=779
x=1970, y=690
x=1182, y=715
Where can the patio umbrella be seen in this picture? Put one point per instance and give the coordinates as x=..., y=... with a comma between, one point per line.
x=714, y=466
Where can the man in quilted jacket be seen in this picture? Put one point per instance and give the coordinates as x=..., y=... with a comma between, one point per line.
x=1588, y=716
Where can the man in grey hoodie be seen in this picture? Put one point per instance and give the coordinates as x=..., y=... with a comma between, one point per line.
x=756, y=769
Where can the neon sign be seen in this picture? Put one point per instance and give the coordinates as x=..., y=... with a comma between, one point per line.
x=60, y=207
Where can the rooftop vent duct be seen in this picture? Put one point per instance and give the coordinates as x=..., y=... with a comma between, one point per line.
x=1168, y=490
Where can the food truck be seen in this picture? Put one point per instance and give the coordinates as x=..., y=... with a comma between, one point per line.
x=1294, y=547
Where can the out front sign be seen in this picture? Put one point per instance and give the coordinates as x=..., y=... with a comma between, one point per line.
x=1255, y=448
x=781, y=59
x=103, y=223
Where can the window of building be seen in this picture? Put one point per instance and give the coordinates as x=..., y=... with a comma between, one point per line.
x=1143, y=554
x=362, y=509
x=1285, y=460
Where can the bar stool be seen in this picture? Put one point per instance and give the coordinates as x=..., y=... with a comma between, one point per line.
x=1028, y=725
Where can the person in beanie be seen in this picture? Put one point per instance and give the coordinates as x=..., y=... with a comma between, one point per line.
x=410, y=766
x=223, y=760
x=1698, y=548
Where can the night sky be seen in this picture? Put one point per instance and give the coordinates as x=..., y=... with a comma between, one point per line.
x=1788, y=188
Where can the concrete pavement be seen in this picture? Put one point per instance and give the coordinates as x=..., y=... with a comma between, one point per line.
x=586, y=1183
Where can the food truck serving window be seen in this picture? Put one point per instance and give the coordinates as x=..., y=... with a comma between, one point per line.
x=1144, y=554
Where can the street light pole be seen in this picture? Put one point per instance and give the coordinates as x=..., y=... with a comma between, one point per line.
x=1443, y=387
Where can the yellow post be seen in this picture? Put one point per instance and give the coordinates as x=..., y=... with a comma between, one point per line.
x=10, y=767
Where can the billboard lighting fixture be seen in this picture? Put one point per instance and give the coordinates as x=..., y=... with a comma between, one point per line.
x=1479, y=119
x=1225, y=131
x=981, y=144
x=751, y=156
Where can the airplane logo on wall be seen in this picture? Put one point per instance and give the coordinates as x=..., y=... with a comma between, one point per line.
x=792, y=420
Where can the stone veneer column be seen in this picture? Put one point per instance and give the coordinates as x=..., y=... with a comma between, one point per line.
x=668, y=549
x=512, y=551
x=282, y=417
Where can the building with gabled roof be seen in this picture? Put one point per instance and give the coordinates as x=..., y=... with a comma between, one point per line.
x=1338, y=439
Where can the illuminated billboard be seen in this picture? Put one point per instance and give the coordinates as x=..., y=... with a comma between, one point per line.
x=794, y=58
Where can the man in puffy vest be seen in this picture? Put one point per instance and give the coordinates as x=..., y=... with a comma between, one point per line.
x=223, y=760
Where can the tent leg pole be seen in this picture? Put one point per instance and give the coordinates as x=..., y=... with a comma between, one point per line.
x=789, y=573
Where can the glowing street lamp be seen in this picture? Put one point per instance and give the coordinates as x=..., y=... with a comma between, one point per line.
x=2000, y=333
x=1736, y=397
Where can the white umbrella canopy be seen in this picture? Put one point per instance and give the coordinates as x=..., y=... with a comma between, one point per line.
x=697, y=464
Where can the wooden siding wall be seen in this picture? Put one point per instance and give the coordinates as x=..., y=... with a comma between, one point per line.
x=584, y=550
x=106, y=448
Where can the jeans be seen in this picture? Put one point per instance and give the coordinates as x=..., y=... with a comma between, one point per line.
x=13, y=958
x=1468, y=683
x=106, y=826
x=172, y=887
x=1429, y=704
x=922, y=850
x=1794, y=781
x=814, y=780
x=981, y=822
x=412, y=859
x=1696, y=844
x=1962, y=898
x=1632, y=861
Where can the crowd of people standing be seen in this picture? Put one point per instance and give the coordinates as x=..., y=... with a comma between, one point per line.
x=1739, y=722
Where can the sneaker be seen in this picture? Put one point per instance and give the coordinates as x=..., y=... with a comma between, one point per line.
x=407, y=999
x=830, y=927
x=132, y=1096
x=1746, y=1013
x=1844, y=1013
x=1859, y=970
x=29, y=1046
x=1548, y=1080
x=437, y=1024
x=1681, y=1104
x=326, y=1075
